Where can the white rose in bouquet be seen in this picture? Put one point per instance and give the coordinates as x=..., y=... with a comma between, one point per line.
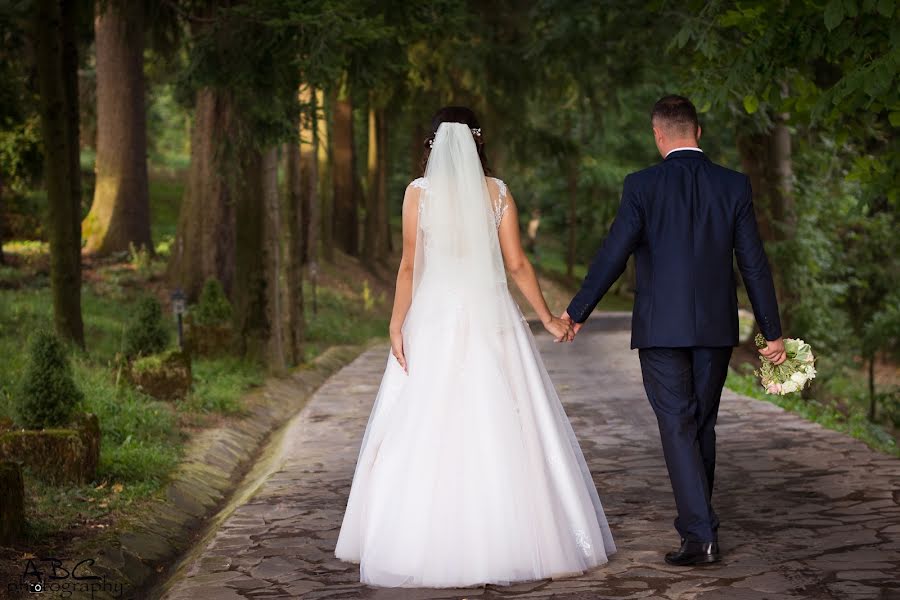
x=799, y=377
x=789, y=386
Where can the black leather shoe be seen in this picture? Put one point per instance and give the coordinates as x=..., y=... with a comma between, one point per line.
x=694, y=553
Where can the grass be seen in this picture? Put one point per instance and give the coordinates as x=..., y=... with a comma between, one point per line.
x=343, y=318
x=853, y=423
x=220, y=382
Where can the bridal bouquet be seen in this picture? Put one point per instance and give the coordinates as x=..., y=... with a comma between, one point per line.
x=793, y=374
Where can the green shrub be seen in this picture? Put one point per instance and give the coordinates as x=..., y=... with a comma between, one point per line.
x=48, y=394
x=213, y=307
x=153, y=362
x=146, y=334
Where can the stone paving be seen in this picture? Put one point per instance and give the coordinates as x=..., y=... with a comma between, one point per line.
x=806, y=512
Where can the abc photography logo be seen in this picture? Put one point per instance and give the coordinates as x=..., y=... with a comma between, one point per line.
x=61, y=578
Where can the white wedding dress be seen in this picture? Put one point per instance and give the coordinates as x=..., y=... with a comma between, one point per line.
x=469, y=471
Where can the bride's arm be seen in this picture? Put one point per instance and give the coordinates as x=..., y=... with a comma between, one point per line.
x=519, y=268
x=403, y=292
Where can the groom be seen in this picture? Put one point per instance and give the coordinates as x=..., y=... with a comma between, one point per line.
x=684, y=220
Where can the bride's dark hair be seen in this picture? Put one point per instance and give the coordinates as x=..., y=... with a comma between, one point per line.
x=457, y=114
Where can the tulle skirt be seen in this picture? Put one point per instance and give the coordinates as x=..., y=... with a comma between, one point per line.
x=469, y=471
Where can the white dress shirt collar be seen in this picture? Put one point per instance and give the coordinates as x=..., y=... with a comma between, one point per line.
x=683, y=148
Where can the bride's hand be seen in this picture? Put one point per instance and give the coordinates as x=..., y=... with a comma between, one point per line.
x=560, y=330
x=397, y=349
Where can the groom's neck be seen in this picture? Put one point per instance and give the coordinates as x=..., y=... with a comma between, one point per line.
x=683, y=143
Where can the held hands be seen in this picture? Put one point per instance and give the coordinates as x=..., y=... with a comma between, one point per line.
x=774, y=351
x=576, y=327
x=560, y=329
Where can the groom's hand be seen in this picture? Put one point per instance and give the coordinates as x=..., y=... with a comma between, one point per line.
x=559, y=329
x=774, y=351
x=575, y=326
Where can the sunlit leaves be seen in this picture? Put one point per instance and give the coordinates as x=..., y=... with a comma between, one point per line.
x=751, y=104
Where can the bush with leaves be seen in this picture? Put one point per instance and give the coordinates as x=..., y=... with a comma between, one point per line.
x=213, y=307
x=146, y=334
x=48, y=395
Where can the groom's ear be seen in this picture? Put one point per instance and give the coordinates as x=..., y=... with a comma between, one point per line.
x=699, y=131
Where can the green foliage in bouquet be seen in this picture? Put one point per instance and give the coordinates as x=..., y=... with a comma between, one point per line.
x=146, y=334
x=213, y=307
x=793, y=374
x=48, y=395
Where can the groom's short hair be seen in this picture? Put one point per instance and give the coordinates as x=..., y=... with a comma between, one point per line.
x=676, y=114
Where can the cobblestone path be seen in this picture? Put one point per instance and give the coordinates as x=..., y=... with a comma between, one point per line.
x=806, y=512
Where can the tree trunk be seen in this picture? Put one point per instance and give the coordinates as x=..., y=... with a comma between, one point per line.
x=783, y=178
x=275, y=266
x=326, y=167
x=382, y=214
x=295, y=208
x=304, y=159
x=120, y=213
x=313, y=154
x=346, y=223
x=571, y=253
x=252, y=327
x=767, y=161
x=57, y=74
x=376, y=228
x=205, y=241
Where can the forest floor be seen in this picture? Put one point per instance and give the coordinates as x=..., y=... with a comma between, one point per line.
x=806, y=512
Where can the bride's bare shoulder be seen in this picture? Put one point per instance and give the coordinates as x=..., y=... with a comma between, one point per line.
x=497, y=185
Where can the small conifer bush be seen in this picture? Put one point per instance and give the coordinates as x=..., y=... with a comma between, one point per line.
x=48, y=395
x=146, y=334
x=213, y=307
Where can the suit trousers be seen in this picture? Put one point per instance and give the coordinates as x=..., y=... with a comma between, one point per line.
x=684, y=386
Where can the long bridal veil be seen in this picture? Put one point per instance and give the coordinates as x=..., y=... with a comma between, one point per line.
x=457, y=235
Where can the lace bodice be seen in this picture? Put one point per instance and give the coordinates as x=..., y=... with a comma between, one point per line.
x=499, y=205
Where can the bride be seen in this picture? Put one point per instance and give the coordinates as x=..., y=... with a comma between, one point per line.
x=469, y=472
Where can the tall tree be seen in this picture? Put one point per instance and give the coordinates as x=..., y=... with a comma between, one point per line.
x=120, y=214
x=205, y=239
x=276, y=237
x=56, y=53
x=250, y=301
x=376, y=227
x=344, y=173
x=311, y=157
x=326, y=169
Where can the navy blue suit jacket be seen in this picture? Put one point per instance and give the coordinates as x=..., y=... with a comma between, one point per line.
x=684, y=220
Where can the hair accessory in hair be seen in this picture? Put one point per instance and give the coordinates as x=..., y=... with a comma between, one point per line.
x=431, y=143
x=476, y=131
